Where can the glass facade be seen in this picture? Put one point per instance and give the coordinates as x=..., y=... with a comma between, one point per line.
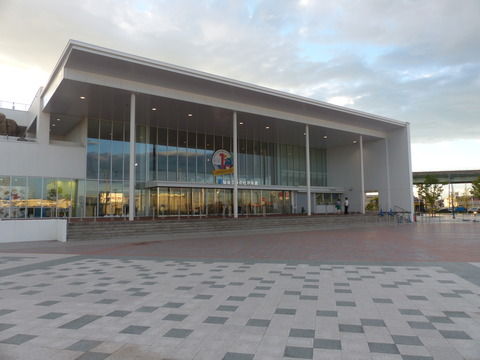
x=185, y=156
x=165, y=155
x=37, y=197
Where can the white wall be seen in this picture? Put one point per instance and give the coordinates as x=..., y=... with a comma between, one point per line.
x=401, y=187
x=33, y=230
x=34, y=159
x=343, y=170
x=376, y=171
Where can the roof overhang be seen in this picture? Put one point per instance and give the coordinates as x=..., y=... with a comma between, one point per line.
x=83, y=66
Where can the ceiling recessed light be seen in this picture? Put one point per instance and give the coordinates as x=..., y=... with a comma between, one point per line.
x=53, y=124
x=325, y=136
x=58, y=119
x=267, y=127
x=82, y=97
x=354, y=141
x=241, y=122
x=304, y=134
x=190, y=114
x=154, y=109
x=136, y=164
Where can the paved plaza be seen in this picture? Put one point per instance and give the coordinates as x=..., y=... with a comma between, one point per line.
x=134, y=300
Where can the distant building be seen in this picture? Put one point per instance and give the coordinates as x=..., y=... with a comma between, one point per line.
x=113, y=134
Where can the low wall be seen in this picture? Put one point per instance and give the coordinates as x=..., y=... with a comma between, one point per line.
x=33, y=230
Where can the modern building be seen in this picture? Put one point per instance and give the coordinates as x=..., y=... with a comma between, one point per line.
x=117, y=135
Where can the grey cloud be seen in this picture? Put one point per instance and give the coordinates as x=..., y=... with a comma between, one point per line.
x=259, y=41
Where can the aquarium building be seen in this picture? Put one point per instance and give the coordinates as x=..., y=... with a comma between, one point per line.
x=117, y=135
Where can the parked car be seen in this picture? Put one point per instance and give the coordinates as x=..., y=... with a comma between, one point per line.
x=444, y=211
x=460, y=209
x=474, y=210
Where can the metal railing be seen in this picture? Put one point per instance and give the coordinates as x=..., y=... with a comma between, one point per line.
x=12, y=105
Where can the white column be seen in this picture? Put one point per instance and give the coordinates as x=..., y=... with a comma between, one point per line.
x=307, y=159
x=362, y=178
x=235, y=167
x=131, y=188
x=387, y=170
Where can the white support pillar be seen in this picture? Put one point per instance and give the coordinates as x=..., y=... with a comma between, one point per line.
x=307, y=159
x=362, y=178
x=387, y=170
x=131, y=188
x=235, y=167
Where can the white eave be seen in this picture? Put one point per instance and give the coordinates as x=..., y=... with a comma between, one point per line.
x=85, y=47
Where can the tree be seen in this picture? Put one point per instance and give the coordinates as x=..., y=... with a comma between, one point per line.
x=430, y=192
x=475, y=190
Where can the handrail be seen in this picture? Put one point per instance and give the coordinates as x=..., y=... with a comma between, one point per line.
x=12, y=105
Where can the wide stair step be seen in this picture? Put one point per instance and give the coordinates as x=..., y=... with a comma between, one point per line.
x=105, y=229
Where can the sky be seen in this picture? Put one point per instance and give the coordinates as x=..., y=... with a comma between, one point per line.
x=412, y=60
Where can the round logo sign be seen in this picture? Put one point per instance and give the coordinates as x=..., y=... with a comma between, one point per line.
x=222, y=160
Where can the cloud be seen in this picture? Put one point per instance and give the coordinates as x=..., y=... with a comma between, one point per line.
x=409, y=60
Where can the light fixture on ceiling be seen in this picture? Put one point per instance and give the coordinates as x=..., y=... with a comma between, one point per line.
x=267, y=127
x=304, y=134
x=136, y=164
x=58, y=119
x=325, y=136
x=154, y=109
x=82, y=97
x=53, y=125
x=354, y=141
x=241, y=123
x=190, y=115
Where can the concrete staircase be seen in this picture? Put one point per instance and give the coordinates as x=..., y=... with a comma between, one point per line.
x=168, y=227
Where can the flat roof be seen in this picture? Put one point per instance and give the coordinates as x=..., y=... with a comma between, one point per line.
x=146, y=62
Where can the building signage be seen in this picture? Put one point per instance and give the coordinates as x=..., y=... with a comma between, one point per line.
x=222, y=162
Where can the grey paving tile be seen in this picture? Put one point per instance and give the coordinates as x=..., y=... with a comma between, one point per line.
x=383, y=348
x=350, y=328
x=421, y=325
x=450, y=295
x=80, y=322
x=346, y=303
x=52, y=315
x=327, y=313
x=382, y=301
x=410, y=312
x=302, y=333
x=18, y=339
x=439, y=319
x=372, y=322
x=173, y=305
x=119, y=313
x=47, y=303
x=5, y=311
x=406, y=340
x=416, y=357
x=298, y=352
x=230, y=308
x=93, y=356
x=455, y=334
x=134, y=329
x=202, y=297
x=238, y=356
x=256, y=295
x=285, y=311
x=215, y=320
x=330, y=344
x=175, y=317
x=147, y=309
x=236, y=298
x=308, y=297
x=258, y=322
x=456, y=314
x=106, y=301
x=84, y=345
x=178, y=333
x=292, y=292
x=417, y=297
x=343, y=291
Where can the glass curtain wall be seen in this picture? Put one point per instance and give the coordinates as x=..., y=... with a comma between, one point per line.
x=36, y=197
